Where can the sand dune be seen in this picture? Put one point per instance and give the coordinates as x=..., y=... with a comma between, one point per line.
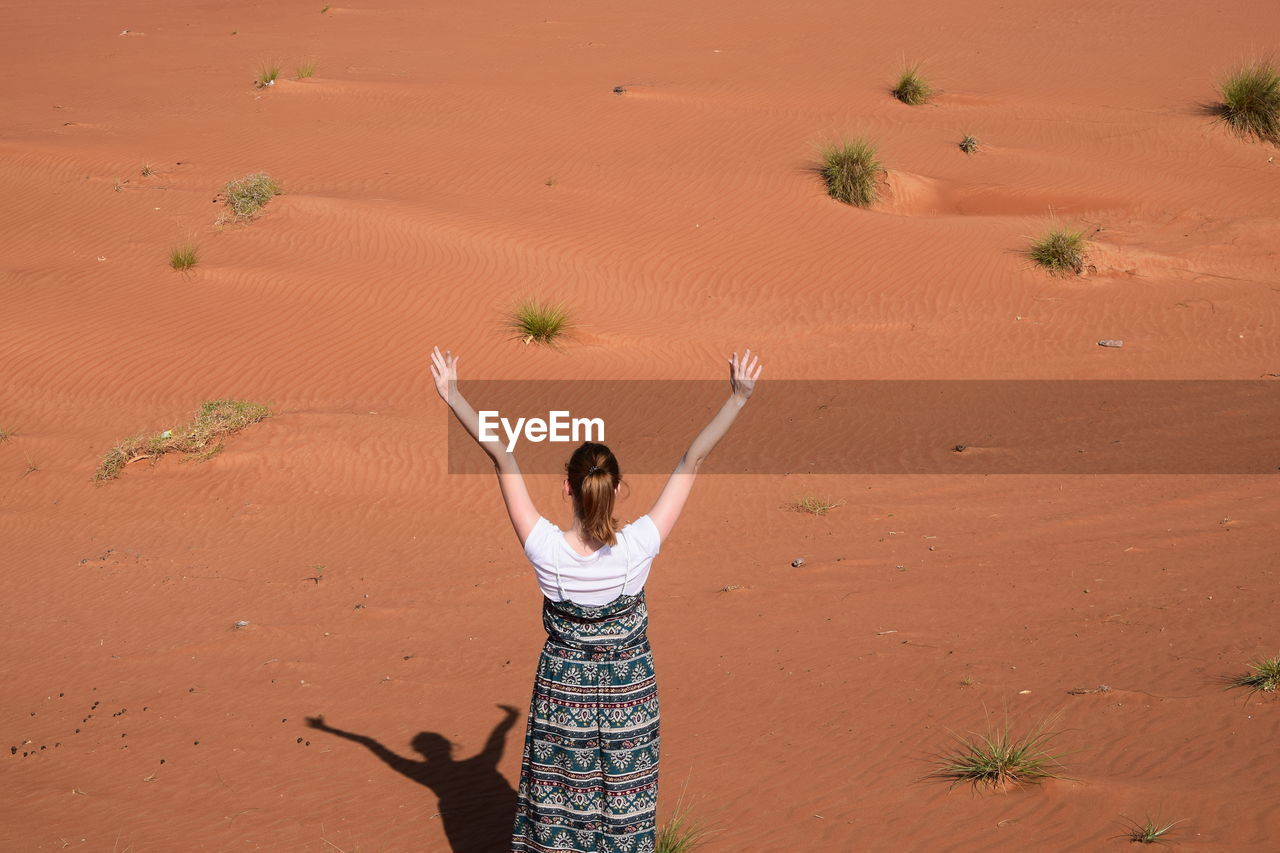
x=445, y=162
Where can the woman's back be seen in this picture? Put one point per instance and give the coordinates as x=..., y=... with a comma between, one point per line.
x=596, y=578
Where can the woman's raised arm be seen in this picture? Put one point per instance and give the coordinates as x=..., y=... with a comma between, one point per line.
x=743, y=374
x=444, y=370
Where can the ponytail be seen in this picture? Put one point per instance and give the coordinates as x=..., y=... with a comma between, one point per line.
x=593, y=477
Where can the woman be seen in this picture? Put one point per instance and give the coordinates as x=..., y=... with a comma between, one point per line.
x=589, y=776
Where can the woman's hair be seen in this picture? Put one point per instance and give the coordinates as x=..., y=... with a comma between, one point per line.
x=593, y=476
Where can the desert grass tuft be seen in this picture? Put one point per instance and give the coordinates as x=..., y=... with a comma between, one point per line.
x=969, y=144
x=1251, y=101
x=534, y=321
x=815, y=505
x=1150, y=831
x=681, y=833
x=267, y=75
x=306, y=69
x=999, y=760
x=247, y=195
x=850, y=170
x=912, y=88
x=184, y=257
x=1263, y=676
x=147, y=170
x=6, y=434
x=198, y=440
x=1061, y=251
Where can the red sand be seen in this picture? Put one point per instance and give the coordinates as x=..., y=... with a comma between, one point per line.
x=684, y=220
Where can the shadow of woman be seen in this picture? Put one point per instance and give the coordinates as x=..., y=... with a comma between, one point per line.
x=477, y=804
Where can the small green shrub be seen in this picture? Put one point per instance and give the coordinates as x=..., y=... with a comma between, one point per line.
x=184, y=257
x=680, y=834
x=998, y=760
x=267, y=76
x=850, y=170
x=247, y=195
x=1150, y=831
x=1263, y=676
x=1251, y=101
x=540, y=322
x=969, y=144
x=306, y=69
x=1061, y=251
x=912, y=88
x=197, y=440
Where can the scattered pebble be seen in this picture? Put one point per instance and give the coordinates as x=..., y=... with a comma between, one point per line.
x=1110, y=342
x=797, y=562
x=619, y=90
x=241, y=624
x=960, y=448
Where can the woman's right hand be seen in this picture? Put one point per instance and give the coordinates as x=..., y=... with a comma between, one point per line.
x=743, y=373
x=444, y=370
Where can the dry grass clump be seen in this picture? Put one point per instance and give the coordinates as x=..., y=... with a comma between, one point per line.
x=5, y=434
x=1150, y=831
x=1061, y=251
x=198, y=440
x=850, y=170
x=815, y=505
x=535, y=321
x=267, y=75
x=1263, y=676
x=1251, y=101
x=969, y=144
x=999, y=760
x=678, y=835
x=912, y=88
x=184, y=257
x=246, y=196
x=306, y=69
x=681, y=834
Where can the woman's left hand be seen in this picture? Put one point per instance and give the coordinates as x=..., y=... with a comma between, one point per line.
x=444, y=370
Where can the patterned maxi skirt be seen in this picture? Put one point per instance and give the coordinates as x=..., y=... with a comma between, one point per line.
x=589, y=778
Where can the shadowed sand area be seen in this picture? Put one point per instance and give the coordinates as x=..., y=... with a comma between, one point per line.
x=448, y=160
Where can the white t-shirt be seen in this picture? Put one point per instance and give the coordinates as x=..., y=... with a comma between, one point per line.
x=597, y=578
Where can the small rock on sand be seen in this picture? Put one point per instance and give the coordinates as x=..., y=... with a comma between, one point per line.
x=797, y=562
x=1110, y=342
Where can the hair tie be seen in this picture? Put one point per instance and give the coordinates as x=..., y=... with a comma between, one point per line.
x=593, y=469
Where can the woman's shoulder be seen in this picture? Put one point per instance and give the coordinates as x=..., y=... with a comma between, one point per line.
x=542, y=528
x=644, y=531
x=643, y=523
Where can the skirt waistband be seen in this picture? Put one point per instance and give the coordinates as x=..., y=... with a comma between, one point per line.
x=633, y=648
